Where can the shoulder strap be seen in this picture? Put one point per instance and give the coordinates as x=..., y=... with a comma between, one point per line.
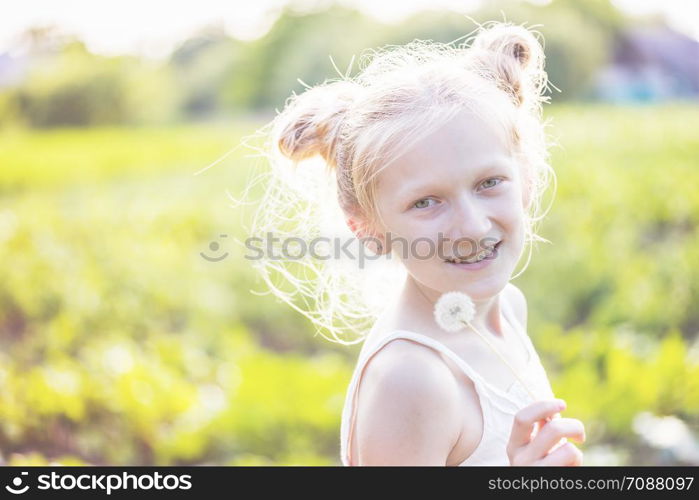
x=477, y=379
x=429, y=342
x=495, y=396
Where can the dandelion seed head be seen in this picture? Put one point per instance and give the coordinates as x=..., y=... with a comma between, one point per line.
x=453, y=310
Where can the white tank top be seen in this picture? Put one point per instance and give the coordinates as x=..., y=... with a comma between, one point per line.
x=498, y=406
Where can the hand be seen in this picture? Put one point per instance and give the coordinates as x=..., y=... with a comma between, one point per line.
x=537, y=429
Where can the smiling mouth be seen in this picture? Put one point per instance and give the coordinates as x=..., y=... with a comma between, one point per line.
x=483, y=254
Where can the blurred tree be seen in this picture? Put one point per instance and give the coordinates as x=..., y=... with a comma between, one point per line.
x=214, y=74
x=72, y=86
x=298, y=46
x=203, y=65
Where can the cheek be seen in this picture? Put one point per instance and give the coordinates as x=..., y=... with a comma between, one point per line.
x=415, y=249
x=405, y=232
x=422, y=248
x=515, y=231
x=515, y=218
x=511, y=211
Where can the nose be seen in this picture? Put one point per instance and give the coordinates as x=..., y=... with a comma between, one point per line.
x=470, y=226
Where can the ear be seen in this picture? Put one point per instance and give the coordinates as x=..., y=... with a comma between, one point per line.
x=372, y=239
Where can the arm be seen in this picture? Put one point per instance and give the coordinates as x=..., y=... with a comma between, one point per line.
x=408, y=410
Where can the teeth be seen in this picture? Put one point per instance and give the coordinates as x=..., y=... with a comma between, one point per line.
x=477, y=258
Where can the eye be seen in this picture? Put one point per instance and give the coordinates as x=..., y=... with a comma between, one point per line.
x=491, y=185
x=419, y=202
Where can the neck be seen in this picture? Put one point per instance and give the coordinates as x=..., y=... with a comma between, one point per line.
x=487, y=317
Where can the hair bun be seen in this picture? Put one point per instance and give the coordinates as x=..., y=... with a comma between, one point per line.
x=313, y=121
x=514, y=56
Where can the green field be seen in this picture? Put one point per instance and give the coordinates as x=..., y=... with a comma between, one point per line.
x=119, y=344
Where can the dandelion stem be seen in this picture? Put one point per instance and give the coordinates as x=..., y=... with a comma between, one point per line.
x=514, y=372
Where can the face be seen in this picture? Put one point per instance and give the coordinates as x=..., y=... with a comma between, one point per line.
x=462, y=182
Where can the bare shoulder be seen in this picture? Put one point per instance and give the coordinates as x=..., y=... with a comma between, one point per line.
x=407, y=408
x=519, y=303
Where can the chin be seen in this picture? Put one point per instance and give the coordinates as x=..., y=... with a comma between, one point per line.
x=483, y=290
x=478, y=288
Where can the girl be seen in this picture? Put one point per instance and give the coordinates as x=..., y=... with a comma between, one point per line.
x=440, y=160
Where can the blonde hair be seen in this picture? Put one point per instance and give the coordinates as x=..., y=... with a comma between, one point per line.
x=353, y=127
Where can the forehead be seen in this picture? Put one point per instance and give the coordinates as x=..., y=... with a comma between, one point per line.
x=464, y=146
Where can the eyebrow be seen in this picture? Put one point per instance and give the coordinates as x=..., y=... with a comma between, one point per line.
x=409, y=190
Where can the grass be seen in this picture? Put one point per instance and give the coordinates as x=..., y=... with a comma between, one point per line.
x=119, y=344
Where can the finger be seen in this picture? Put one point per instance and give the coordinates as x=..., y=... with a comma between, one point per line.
x=525, y=419
x=566, y=455
x=551, y=434
x=552, y=417
x=577, y=439
x=540, y=423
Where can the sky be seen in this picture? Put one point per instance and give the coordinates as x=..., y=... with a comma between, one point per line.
x=153, y=28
